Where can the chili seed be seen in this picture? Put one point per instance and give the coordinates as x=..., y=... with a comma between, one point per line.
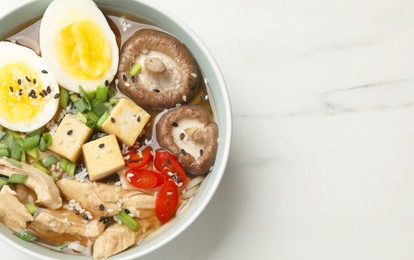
x=70, y=132
x=182, y=135
x=102, y=145
x=183, y=152
x=101, y=207
x=57, y=96
x=175, y=124
x=124, y=77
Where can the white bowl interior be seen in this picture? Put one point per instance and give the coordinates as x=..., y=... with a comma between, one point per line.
x=32, y=9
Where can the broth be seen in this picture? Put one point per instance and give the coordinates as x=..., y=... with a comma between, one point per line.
x=28, y=35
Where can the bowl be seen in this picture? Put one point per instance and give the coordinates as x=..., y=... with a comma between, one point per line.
x=219, y=99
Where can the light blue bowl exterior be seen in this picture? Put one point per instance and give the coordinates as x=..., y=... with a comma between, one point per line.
x=217, y=91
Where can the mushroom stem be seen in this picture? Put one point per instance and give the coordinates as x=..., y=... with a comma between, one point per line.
x=154, y=65
x=194, y=132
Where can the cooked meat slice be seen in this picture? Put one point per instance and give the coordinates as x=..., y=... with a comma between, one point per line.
x=115, y=239
x=190, y=136
x=92, y=195
x=13, y=213
x=24, y=194
x=42, y=184
x=65, y=222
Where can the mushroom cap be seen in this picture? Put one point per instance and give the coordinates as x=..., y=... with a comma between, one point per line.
x=188, y=134
x=168, y=74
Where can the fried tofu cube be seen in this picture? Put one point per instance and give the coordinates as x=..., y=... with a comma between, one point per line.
x=102, y=157
x=69, y=138
x=126, y=121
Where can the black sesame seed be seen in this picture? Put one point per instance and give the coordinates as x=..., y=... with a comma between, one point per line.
x=127, y=211
x=11, y=89
x=101, y=218
x=139, y=119
x=32, y=93
x=77, y=212
x=113, y=120
x=44, y=92
x=201, y=152
x=34, y=81
x=183, y=152
x=44, y=71
x=175, y=124
x=27, y=78
x=102, y=145
x=101, y=207
x=106, y=83
x=85, y=217
x=57, y=95
x=179, y=180
x=133, y=78
x=19, y=81
x=20, y=92
x=48, y=90
x=182, y=135
x=41, y=94
x=203, y=97
x=129, y=160
x=70, y=132
x=156, y=90
x=105, y=220
x=168, y=161
x=174, y=177
x=124, y=77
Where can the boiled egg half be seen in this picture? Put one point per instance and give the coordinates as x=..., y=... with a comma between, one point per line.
x=78, y=45
x=29, y=94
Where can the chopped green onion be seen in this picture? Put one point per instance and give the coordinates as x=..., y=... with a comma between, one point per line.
x=32, y=152
x=31, y=208
x=59, y=247
x=16, y=151
x=102, y=93
x=2, y=182
x=81, y=105
x=90, y=123
x=45, y=141
x=40, y=167
x=55, y=176
x=128, y=221
x=90, y=96
x=112, y=92
x=70, y=168
x=4, y=153
x=34, y=132
x=2, y=134
x=64, y=163
x=98, y=107
x=48, y=161
x=114, y=101
x=3, y=145
x=92, y=116
x=83, y=94
x=8, y=139
x=64, y=98
x=74, y=97
x=13, y=162
x=17, y=178
x=23, y=158
x=31, y=142
x=137, y=67
x=102, y=119
x=81, y=117
x=25, y=235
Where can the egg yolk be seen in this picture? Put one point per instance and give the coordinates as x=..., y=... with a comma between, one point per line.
x=83, y=50
x=20, y=97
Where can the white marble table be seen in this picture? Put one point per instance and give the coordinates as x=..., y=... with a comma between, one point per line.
x=323, y=101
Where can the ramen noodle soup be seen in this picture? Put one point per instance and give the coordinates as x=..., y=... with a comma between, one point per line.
x=106, y=129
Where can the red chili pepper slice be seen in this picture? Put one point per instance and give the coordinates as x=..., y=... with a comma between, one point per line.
x=166, y=202
x=139, y=160
x=167, y=164
x=144, y=179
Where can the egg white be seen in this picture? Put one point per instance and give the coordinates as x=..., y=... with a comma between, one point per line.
x=59, y=15
x=11, y=53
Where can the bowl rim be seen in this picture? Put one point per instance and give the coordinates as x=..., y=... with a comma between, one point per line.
x=225, y=137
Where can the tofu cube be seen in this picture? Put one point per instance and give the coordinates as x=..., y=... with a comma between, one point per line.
x=126, y=121
x=102, y=157
x=69, y=138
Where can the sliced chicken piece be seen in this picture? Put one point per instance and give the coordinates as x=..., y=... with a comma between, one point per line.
x=13, y=213
x=115, y=239
x=65, y=222
x=113, y=198
x=42, y=184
